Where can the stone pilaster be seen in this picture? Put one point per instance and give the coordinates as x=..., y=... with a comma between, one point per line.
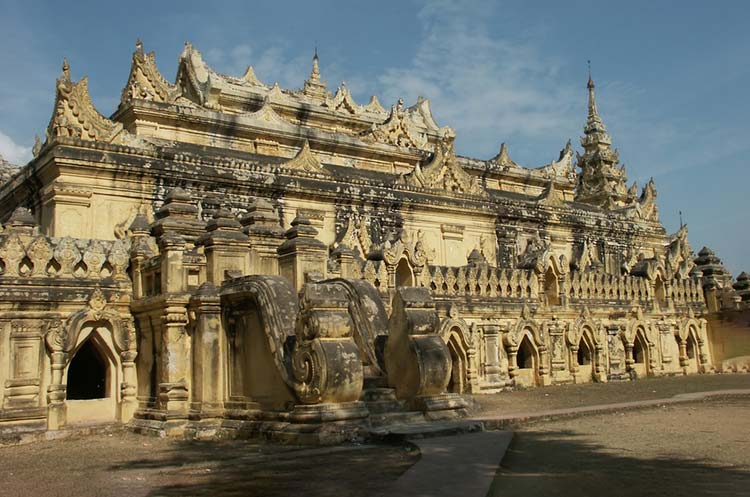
x=492, y=369
x=209, y=353
x=172, y=250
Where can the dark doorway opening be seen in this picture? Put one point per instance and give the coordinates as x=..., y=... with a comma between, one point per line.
x=87, y=374
x=584, y=353
x=525, y=356
x=639, y=353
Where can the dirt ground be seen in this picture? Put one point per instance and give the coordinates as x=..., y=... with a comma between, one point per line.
x=589, y=394
x=699, y=448
x=694, y=449
x=124, y=464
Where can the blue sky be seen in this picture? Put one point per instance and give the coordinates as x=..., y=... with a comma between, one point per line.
x=672, y=77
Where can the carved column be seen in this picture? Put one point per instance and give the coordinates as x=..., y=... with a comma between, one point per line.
x=56, y=412
x=129, y=386
x=209, y=353
x=173, y=384
x=56, y=391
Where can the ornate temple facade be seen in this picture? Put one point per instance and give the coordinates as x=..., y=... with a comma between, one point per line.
x=222, y=256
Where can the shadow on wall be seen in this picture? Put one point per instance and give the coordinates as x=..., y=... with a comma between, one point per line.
x=562, y=463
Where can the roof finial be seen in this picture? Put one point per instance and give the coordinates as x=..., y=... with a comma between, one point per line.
x=66, y=69
x=681, y=224
x=138, y=44
x=315, y=74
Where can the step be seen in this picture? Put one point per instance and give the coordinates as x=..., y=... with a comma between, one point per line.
x=413, y=431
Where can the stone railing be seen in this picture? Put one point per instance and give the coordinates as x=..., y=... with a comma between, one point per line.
x=687, y=291
x=607, y=287
x=482, y=281
x=31, y=255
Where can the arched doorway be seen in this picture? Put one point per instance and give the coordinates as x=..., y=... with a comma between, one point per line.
x=640, y=359
x=584, y=359
x=91, y=378
x=404, y=274
x=691, y=354
x=88, y=374
x=527, y=363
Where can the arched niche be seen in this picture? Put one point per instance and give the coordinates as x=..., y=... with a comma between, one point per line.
x=640, y=354
x=551, y=286
x=587, y=342
x=528, y=328
x=457, y=337
x=527, y=362
x=660, y=292
x=692, y=346
x=404, y=273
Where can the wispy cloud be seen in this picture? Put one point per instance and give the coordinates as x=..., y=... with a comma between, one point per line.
x=488, y=87
x=13, y=152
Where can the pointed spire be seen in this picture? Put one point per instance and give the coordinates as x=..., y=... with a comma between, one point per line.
x=594, y=121
x=315, y=73
x=314, y=87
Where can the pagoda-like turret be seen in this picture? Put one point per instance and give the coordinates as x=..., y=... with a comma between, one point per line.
x=601, y=182
x=314, y=87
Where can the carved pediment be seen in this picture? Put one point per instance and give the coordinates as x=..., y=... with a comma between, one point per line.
x=76, y=117
x=306, y=161
x=374, y=107
x=503, y=159
x=267, y=115
x=551, y=195
x=563, y=166
x=145, y=81
x=397, y=130
x=343, y=101
x=444, y=173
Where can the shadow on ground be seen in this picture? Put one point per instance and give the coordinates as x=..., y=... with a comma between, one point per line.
x=235, y=469
x=564, y=463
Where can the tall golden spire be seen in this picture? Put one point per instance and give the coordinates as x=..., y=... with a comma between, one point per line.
x=314, y=87
x=595, y=133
